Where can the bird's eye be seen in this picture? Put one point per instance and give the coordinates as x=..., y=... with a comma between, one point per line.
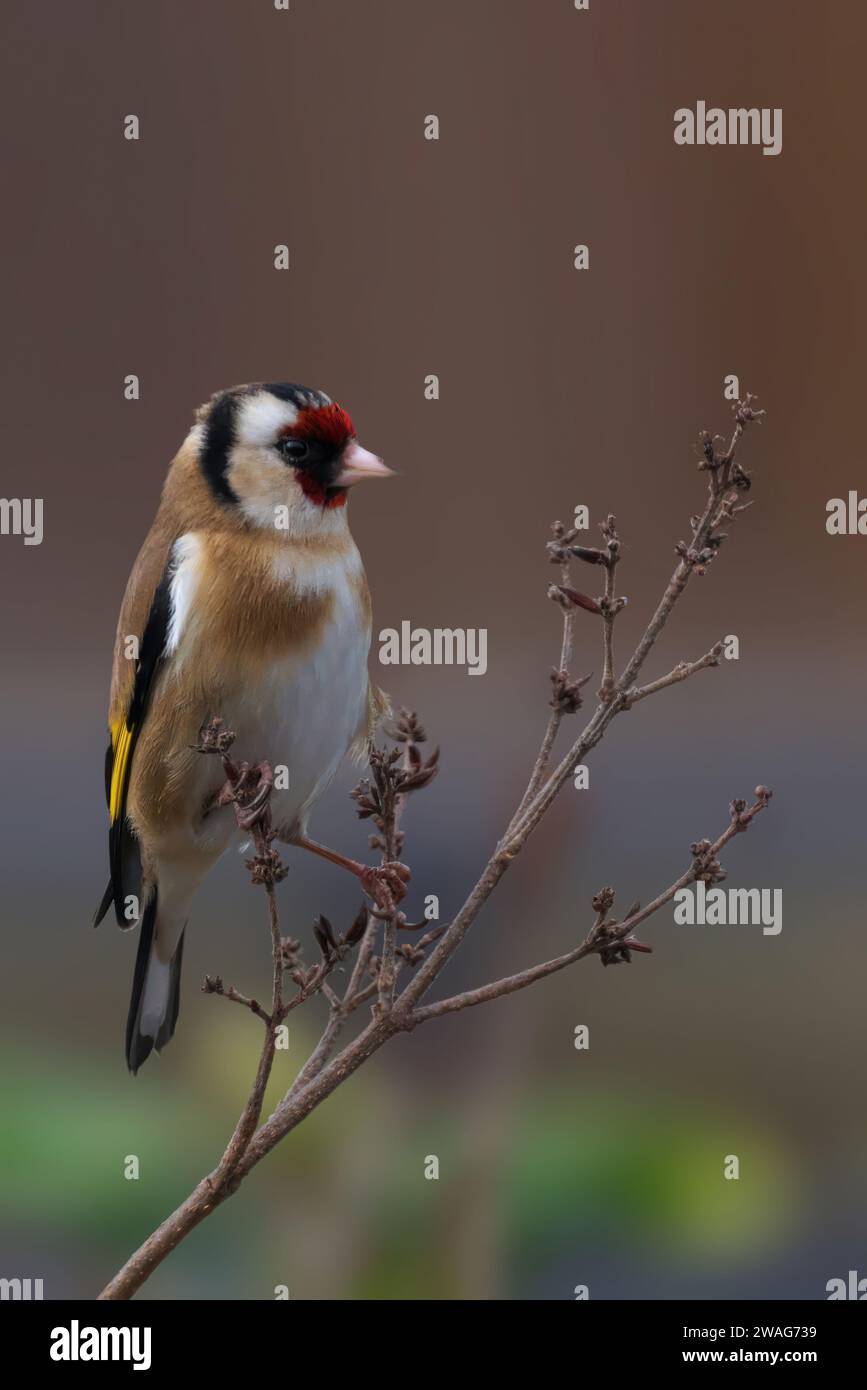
x=293, y=450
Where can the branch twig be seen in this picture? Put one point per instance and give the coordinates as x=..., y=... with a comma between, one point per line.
x=381, y=797
x=611, y=940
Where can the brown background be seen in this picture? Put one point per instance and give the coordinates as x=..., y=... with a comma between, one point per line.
x=409, y=257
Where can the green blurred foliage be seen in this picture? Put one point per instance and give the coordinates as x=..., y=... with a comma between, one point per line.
x=69, y=1124
x=343, y=1210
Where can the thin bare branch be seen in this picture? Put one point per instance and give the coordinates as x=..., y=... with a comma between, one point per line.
x=213, y=984
x=610, y=608
x=681, y=672
x=382, y=796
x=603, y=936
x=558, y=549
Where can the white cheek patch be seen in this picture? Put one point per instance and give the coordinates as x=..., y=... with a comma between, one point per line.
x=262, y=485
x=263, y=512
x=270, y=497
x=293, y=515
x=260, y=419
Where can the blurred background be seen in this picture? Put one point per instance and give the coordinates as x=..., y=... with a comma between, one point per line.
x=409, y=257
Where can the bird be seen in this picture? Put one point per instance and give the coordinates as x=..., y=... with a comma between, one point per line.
x=248, y=599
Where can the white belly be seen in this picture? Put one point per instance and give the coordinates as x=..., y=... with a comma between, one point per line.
x=306, y=712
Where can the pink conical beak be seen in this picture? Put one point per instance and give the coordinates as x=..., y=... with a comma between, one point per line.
x=359, y=464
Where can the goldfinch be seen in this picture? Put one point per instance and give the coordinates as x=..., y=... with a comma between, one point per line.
x=249, y=600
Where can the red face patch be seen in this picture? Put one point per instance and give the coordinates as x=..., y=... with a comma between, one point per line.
x=326, y=429
x=330, y=424
x=318, y=494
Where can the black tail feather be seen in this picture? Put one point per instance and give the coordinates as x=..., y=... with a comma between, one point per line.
x=126, y=871
x=126, y=876
x=138, y=1047
x=139, y=1044
x=105, y=904
x=171, y=1018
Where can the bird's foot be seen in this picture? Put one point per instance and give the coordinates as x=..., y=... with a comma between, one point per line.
x=385, y=884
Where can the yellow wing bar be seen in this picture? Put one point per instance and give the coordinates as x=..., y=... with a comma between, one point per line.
x=121, y=741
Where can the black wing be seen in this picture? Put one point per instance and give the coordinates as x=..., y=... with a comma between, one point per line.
x=123, y=849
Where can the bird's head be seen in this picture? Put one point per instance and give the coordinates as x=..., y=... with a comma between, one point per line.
x=284, y=455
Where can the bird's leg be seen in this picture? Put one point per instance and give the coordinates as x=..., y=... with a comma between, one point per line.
x=384, y=883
